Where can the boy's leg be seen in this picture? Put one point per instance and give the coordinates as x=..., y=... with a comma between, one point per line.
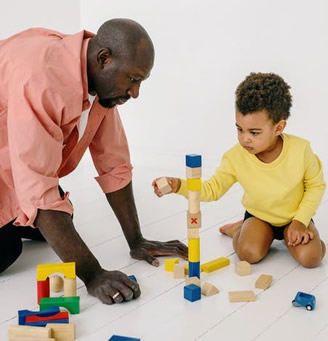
x=252, y=240
x=310, y=254
x=10, y=246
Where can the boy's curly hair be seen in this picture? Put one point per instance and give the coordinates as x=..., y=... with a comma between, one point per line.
x=264, y=91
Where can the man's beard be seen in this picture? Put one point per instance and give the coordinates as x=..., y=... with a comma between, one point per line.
x=111, y=102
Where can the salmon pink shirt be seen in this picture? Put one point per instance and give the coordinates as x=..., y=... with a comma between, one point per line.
x=43, y=91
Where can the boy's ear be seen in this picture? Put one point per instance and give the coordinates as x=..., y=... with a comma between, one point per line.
x=280, y=126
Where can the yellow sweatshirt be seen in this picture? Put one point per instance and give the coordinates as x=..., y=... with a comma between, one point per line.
x=289, y=188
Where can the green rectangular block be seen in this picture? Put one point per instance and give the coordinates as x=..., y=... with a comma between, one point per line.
x=71, y=303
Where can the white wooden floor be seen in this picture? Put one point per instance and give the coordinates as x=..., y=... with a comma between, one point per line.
x=161, y=313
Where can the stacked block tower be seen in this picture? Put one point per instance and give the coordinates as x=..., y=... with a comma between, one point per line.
x=193, y=174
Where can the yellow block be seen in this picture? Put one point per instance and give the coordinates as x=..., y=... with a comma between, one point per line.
x=194, y=184
x=169, y=264
x=194, y=250
x=215, y=264
x=44, y=270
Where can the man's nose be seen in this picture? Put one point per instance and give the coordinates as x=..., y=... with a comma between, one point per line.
x=134, y=90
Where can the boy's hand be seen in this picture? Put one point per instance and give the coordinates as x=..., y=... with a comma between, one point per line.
x=298, y=233
x=175, y=184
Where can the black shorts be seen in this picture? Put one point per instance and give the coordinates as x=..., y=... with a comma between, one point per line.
x=278, y=231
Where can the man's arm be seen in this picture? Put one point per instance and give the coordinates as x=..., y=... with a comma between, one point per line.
x=108, y=286
x=123, y=205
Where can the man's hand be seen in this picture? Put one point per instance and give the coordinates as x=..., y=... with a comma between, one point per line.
x=298, y=233
x=175, y=184
x=113, y=287
x=147, y=249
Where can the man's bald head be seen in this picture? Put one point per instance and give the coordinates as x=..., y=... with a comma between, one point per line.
x=119, y=58
x=123, y=37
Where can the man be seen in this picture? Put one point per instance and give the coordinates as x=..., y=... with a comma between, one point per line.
x=45, y=80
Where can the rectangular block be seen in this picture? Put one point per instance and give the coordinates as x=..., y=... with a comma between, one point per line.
x=194, y=220
x=193, y=173
x=72, y=304
x=27, y=331
x=194, y=269
x=44, y=270
x=163, y=186
x=23, y=338
x=242, y=296
x=193, y=233
x=193, y=202
x=23, y=314
x=62, y=332
x=193, y=160
x=215, y=264
x=243, y=268
x=122, y=338
x=169, y=264
x=179, y=271
x=194, y=184
x=263, y=282
x=194, y=250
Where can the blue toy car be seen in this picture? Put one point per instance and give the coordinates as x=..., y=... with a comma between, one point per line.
x=304, y=300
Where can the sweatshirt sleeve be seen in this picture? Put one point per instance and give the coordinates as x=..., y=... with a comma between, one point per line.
x=314, y=187
x=217, y=185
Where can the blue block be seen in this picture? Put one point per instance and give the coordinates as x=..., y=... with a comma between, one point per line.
x=44, y=323
x=193, y=160
x=48, y=312
x=133, y=277
x=192, y=292
x=194, y=269
x=122, y=338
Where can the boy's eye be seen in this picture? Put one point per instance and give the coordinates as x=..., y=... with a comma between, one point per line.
x=254, y=133
x=133, y=80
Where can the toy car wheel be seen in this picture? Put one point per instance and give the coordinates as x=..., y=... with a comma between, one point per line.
x=308, y=307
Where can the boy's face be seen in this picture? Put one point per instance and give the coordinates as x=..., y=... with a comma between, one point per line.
x=257, y=133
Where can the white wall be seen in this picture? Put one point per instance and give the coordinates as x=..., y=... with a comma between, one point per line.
x=59, y=15
x=204, y=49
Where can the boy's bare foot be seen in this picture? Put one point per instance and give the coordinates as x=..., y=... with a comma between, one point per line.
x=230, y=229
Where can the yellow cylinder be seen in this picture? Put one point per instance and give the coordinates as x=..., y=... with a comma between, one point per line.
x=194, y=250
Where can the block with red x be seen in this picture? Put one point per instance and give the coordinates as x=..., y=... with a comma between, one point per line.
x=194, y=220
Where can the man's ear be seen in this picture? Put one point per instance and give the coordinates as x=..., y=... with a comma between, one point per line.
x=280, y=126
x=104, y=57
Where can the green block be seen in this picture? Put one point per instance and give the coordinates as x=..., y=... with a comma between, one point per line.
x=71, y=303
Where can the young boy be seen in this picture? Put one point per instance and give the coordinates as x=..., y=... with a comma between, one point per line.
x=282, y=178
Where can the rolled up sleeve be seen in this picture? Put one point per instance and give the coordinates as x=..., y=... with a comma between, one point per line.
x=35, y=142
x=110, y=153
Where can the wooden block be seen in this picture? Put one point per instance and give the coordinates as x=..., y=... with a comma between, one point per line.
x=194, y=250
x=44, y=270
x=192, y=292
x=56, y=283
x=194, y=220
x=193, y=233
x=194, y=269
x=263, y=282
x=242, y=296
x=193, y=173
x=72, y=303
x=169, y=264
x=243, y=268
x=62, y=331
x=209, y=289
x=193, y=202
x=43, y=289
x=194, y=184
x=27, y=331
x=163, y=186
x=69, y=286
x=193, y=280
x=179, y=271
x=215, y=264
x=193, y=160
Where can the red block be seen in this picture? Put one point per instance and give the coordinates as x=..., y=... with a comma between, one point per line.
x=43, y=289
x=59, y=316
